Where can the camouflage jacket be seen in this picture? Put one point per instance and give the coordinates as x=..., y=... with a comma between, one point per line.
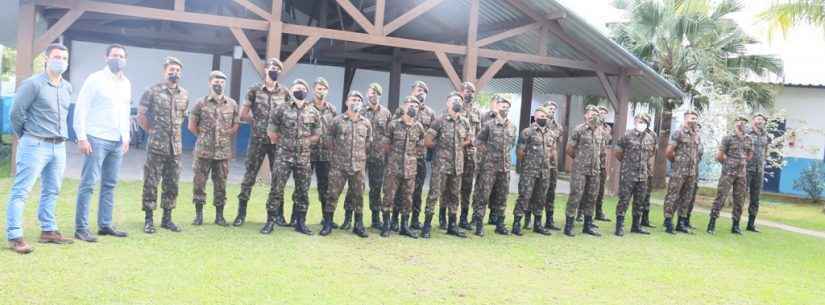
x=587, y=142
x=637, y=150
x=449, y=136
x=685, y=162
x=260, y=101
x=294, y=126
x=607, y=138
x=215, y=118
x=473, y=116
x=349, y=141
x=320, y=151
x=538, y=144
x=164, y=109
x=426, y=116
x=736, y=151
x=380, y=120
x=405, y=142
x=496, y=138
x=651, y=164
x=760, y=150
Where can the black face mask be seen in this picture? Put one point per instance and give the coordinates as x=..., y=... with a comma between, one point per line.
x=421, y=97
x=173, y=77
x=469, y=98
x=218, y=89
x=273, y=75
x=299, y=94
x=412, y=112
x=541, y=122
x=457, y=107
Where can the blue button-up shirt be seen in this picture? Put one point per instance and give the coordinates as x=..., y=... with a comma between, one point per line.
x=40, y=108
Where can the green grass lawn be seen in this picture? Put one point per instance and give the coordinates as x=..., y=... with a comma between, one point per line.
x=216, y=265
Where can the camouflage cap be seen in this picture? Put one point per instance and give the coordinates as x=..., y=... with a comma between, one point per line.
x=541, y=109
x=300, y=82
x=590, y=108
x=741, y=118
x=172, y=61
x=322, y=81
x=275, y=62
x=355, y=93
x=759, y=114
x=468, y=85
x=377, y=88
x=691, y=111
x=455, y=94
x=644, y=117
x=217, y=74
x=551, y=103
x=503, y=99
x=421, y=84
x=411, y=99
x=602, y=108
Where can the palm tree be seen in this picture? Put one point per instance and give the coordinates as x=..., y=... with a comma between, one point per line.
x=693, y=44
x=787, y=14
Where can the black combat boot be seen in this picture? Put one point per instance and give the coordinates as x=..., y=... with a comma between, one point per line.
x=428, y=220
x=579, y=215
x=568, y=226
x=358, y=228
x=327, y=224
x=636, y=226
x=516, y=226
x=600, y=215
x=301, y=223
x=149, y=223
x=404, y=229
x=394, y=223
x=752, y=224
x=712, y=225
x=219, y=220
x=462, y=221
x=198, y=214
x=279, y=217
x=548, y=223
x=501, y=229
x=347, y=224
x=588, y=227
x=453, y=229
x=241, y=218
x=646, y=220
x=538, y=228
x=270, y=222
x=669, y=225
x=414, y=222
x=619, y=226
x=681, y=226
x=479, y=223
x=385, y=226
x=687, y=223
x=735, y=227
x=492, y=219
x=166, y=221
x=375, y=221
x=292, y=220
x=442, y=218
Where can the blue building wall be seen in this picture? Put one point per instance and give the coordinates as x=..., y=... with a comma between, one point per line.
x=791, y=172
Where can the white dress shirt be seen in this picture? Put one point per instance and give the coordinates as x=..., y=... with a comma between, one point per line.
x=103, y=107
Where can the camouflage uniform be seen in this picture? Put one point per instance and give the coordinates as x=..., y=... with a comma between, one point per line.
x=260, y=102
x=734, y=174
x=695, y=191
x=607, y=138
x=756, y=168
x=426, y=116
x=350, y=141
x=683, y=171
x=637, y=149
x=487, y=117
x=538, y=144
x=406, y=142
x=651, y=165
x=320, y=155
x=294, y=126
x=473, y=116
x=164, y=108
x=449, y=136
x=550, y=199
x=584, y=181
x=376, y=159
x=496, y=139
x=215, y=118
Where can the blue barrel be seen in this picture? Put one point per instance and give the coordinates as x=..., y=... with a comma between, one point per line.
x=5, y=114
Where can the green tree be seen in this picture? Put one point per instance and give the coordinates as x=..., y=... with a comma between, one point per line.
x=787, y=14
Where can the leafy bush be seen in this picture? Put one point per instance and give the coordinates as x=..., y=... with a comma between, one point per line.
x=812, y=181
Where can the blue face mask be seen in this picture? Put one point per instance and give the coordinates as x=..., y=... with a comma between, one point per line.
x=116, y=64
x=57, y=66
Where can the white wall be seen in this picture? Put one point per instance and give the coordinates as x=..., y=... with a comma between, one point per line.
x=802, y=107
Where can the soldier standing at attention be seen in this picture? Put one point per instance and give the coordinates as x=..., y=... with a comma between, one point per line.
x=645, y=222
x=495, y=142
x=214, y=120
x=426, y=116
x=756, y=166
x=403, y=144
x=699, y=153
x=379, y=117
x=320, y=155
x=536, y=155
x=734, y=152
x=488, y=116
x=255, y=109
x=473, y=116
x=584, y=147
x=349, y=136
x=682, y=153
x=449, y=136
x=607, y=138
x=634, y=150
x=294, y=127
x=550, y=200
x=161, y=112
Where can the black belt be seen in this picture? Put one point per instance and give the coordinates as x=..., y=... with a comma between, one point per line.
x=49, y=140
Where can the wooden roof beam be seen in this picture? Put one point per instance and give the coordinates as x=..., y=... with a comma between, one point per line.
x=507, y=34
x=357, y=16
x=490, y=73
x=299, y=52
x=249, y=49
x=410, y=15
x=449, y=69
x=254, y=9
x=57, y=29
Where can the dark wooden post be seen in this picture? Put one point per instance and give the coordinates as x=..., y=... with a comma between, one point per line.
x=395, y=80
x=237, y=71
x=349, y=74
x=565, y=133
x=619, y=129
x=25, y=57
x=526, y=102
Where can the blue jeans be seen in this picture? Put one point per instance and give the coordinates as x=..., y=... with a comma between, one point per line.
x=35, y=158
x=103, y=165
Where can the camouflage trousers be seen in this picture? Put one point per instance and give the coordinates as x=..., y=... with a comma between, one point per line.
x=375, y=176
x=420, y=176
x=467, y=177
x=301, y=175
x=549, y=203
x=256, y=152
x=157, y=167
x=631, y=188
x=679, y=190
x=755, y=180
x=600, y=195
x=646, y=197
x=322, y=172
x=739, y=186
x=693, y=194
x=491, y=187
x=530, y=188
x=583, y=191
x=355, y=185
x=447, y=188
x=398, y=191
x=219, y=170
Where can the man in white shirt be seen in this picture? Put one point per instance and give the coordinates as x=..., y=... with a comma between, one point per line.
x=101, y=122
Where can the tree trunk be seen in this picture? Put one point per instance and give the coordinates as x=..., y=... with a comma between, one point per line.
x=665, y=119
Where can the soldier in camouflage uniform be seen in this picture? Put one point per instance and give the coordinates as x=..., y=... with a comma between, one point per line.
x=320, y=155
x=734, y=152
x=607, y=138
x=495, y=142
x=634, y=150
x=756, y=166
x=536, y=155
x=161, y=113
x=379, y=117
x=645, y=222
x=699, y=153
x=255, y=109
x=584, y=147
x=403, y=145
x=349, y=137
x=489, y=116
x=473, y=116
x=448, y=136
x=214, y=120
x=682, y=153
x=294, y=126
x=548, y=202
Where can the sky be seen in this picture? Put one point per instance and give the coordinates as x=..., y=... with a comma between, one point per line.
x=801, y=49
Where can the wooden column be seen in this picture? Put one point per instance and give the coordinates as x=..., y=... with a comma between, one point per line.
x=663, y=132
x=471, y=60
x=395, y=80
x=349, y=75
x=622, y=89
x=273, y=40
x=526, y=102
x=568, y=101
x=25, y=57
x=237, y=72
x=216, y=62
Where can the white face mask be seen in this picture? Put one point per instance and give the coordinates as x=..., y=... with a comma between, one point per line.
x=641, y=127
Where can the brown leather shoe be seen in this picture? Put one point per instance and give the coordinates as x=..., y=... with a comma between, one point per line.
x=54, y=237
x=20, y=246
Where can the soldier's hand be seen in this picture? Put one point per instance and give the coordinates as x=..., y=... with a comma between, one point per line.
x=273, y=138
x=85, y=147
x=124, y=148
